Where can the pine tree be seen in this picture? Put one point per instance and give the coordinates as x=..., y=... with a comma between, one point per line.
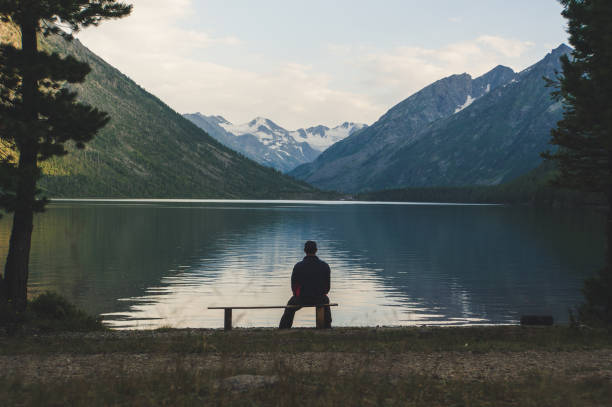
x=39, y=114
x=584, y=135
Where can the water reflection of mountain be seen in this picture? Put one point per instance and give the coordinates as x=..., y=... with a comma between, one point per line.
x=456, y=261
x=492, y=262
x=96, y=253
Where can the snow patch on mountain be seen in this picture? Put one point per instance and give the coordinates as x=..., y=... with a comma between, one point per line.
x=265, y=130
x=468, y=101
x=322, y=137
x=272, y=135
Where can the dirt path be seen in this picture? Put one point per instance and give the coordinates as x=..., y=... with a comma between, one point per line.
x=465, y=365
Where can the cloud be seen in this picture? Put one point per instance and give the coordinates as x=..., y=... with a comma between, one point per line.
x=394, y=74
x=359, y=82
x=293, y=95
x=171, y=62
x=508, y=47
x=154, y=27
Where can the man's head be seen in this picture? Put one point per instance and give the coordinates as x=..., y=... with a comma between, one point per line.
x=310, y=248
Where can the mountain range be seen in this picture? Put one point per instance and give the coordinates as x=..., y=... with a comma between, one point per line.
x=269, y=144
x=148, y=149
x=458, y=131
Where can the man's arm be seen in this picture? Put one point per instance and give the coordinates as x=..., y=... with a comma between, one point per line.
x=296, y=287
x=328, y=284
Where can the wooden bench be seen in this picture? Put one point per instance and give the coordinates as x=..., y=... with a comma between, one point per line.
x=319, y=313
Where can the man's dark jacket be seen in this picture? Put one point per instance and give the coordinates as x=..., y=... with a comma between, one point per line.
x=310, y=278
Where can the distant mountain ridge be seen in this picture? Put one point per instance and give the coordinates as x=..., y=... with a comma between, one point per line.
x=457, y=131
x=269, y=144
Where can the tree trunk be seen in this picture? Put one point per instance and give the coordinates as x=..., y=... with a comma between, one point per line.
x=609, y=220
x=609, y=231
x=17, y=261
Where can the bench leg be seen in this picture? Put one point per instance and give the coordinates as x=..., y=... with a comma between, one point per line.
x=228, y=319
x=320, y=317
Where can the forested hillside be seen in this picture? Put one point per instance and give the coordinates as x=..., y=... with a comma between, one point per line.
x=533, y=188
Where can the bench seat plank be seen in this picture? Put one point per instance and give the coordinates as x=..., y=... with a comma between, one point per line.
x=277, y=306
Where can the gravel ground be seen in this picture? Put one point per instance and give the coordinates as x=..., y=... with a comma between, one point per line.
x=444, y=365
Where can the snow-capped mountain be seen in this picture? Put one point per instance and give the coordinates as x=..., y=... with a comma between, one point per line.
x=322, y=137
x=267, y=143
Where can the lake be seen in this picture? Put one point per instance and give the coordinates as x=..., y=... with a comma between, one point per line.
x=147, y=264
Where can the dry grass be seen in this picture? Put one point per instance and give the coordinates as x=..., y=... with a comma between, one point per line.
x=183, y=384
x=486, y=366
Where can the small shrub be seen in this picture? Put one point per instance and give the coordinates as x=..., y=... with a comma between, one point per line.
x=52, y=312
x=48, y=312
x=50, y=305
x=597, y=309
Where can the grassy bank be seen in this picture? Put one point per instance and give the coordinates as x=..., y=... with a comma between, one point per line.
x=488, y=366
x=360, y=340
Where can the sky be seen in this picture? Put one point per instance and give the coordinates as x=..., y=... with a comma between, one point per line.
x=305, y=63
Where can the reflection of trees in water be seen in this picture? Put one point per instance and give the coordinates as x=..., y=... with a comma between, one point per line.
x=95, y=254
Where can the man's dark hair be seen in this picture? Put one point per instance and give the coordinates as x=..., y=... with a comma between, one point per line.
x=310, y=247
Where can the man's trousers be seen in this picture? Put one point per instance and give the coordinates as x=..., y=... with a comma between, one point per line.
x=287, y=319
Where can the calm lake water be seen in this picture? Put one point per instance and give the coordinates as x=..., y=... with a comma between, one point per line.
x=146, y=264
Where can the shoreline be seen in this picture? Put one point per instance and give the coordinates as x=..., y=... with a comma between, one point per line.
x=268, y=201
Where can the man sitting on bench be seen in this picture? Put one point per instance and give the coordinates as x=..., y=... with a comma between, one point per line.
x=310, y=285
